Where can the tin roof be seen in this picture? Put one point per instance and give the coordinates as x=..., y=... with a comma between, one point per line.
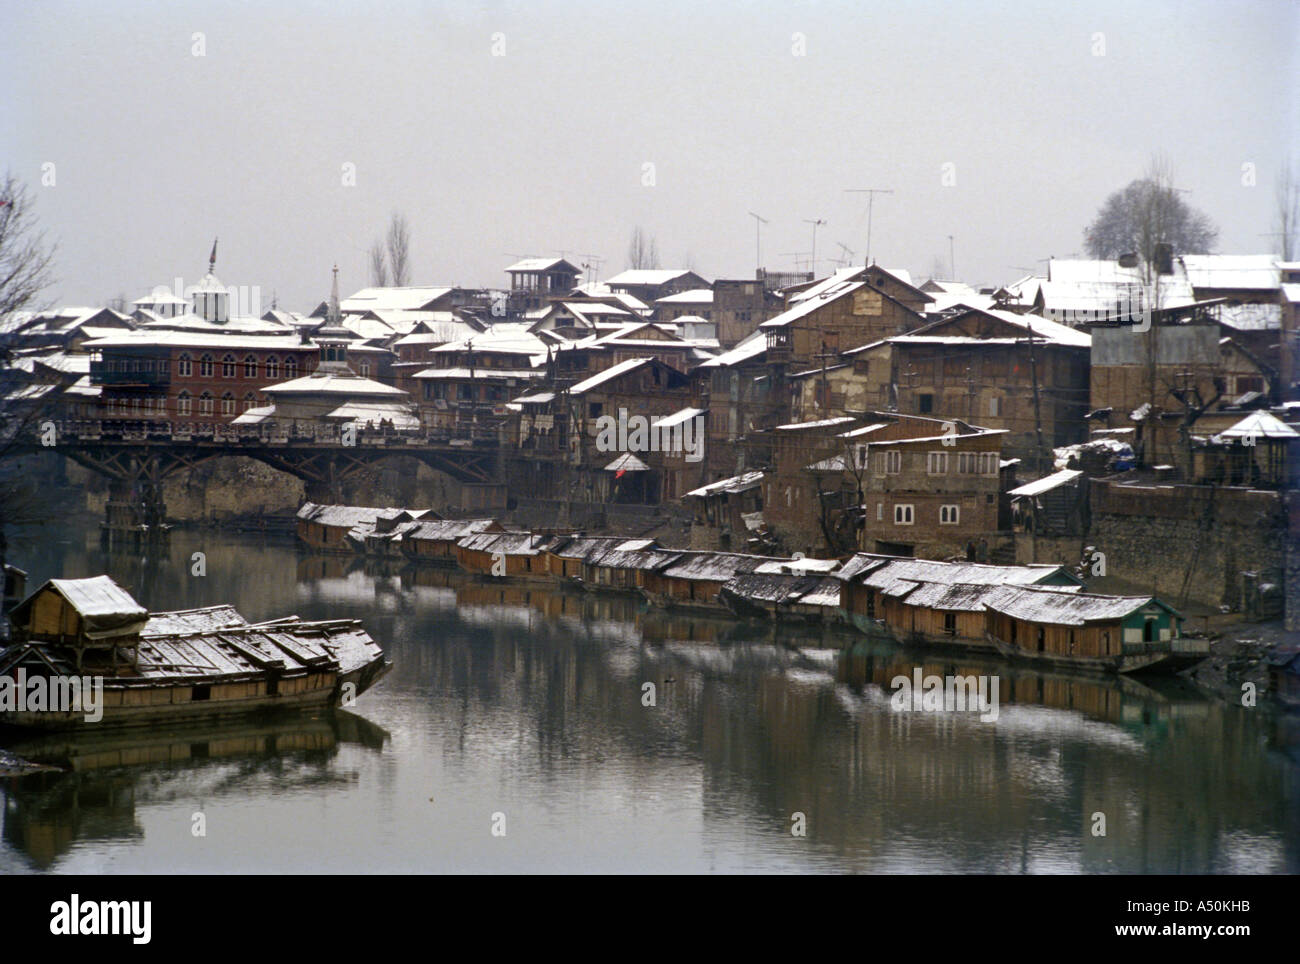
x=106, y=609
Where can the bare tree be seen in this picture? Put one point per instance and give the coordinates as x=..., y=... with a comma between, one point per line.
x=1146, y=213
x=378, y=265
x=1288, y=212
x=24, y=257
x=642, y=250
x=25, y=261
x=399, y=250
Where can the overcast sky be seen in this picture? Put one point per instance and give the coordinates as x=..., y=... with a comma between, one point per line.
x=504, y=129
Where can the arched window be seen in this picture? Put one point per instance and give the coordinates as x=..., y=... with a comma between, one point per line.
x=228, y=366
x=365, y=369
x=228, y=404
x=183, y=403
x=205, y=403
x=272, y=367
x=249, y=401
x=250, y=366
x=290, y=367
x=185, y=366
x=205, y=366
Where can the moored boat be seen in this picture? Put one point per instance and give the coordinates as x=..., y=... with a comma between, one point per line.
x=85, y=652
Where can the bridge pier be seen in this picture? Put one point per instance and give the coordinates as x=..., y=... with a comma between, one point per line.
x=134, y=515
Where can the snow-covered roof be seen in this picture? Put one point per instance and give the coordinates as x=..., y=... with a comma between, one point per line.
x=1257, y=272
x=746, y=349
x=737, y=483
x=646, y=276
x=334, y=383
x=187, y=339
x=1047, y=483
x=392, y=299
x=1065, y=608
x=678, y=417
x=614, y=371
x=106, y=609
x=536, y=264
x=1251, y=317
x=1260, y=424
x=811, y=304
x=696, y=296
x=627, y=462
x=376, y=413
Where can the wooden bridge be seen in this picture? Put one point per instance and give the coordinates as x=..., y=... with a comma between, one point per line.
x=137, y=456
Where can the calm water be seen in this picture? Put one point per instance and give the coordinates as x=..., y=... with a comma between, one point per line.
x=526, y=702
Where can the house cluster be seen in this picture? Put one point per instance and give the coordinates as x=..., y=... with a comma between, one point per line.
x=1034, y=612
x=860, y=411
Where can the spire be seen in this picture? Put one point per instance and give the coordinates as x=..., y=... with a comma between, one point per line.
x=212, y=258
x=334, y=298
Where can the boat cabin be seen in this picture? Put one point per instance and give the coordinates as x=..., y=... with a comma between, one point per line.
x=94, y=614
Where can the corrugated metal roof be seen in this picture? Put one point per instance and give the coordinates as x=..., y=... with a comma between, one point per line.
x=1069, y=609
x=737, y=483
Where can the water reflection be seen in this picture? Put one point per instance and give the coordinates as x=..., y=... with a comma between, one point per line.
x=528, y=700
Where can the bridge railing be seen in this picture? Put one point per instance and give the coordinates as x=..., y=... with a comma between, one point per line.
x=146, y=430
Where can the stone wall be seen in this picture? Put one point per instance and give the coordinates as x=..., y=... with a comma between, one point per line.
x=1164, y=537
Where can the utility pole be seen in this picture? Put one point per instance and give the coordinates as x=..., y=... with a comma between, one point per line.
x=759, y=221
x=871, y=193
x=816, y=223
x=952, y=261
x=1038, y=415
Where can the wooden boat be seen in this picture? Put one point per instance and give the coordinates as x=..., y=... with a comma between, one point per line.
x=95, y=656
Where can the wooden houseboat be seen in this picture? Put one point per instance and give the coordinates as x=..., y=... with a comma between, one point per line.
x=874, y=589
x=623, y=565
x=498, y=554
x=1110, y=633
x=198, y=663
x=696, y=579
x=434, y=541
x=343, y=528
x=785, y=589
x=564, y=556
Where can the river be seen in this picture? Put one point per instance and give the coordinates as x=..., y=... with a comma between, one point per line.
x=512, y=736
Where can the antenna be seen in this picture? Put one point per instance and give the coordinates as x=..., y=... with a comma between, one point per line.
x=871, y=193
x=816, y=223
x=952, y=265
x=848, y=253
x=800, y=258
x=759, y=221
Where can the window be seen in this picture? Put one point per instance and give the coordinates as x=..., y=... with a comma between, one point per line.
x=880, y=512
x=950, y=624
x=925, y=403
x=365, y=369
x=902, y=515
x=290, y=367
x=227, y=404
x=977, y=463
x=228, y=366
x=594, y=410
x=205, y=366
x=183, y=403
x=250, y=366
x=185, y=366
x=249, y=401
x=1249, y=383
x=889, y=463
x=272, y=367
x=949, y=515
x=860, y=454
x=205, y=403
x=995, y=405
x=936, y=463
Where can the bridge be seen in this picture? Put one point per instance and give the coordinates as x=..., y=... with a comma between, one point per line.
x=137, y=456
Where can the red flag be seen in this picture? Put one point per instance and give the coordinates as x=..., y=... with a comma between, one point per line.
x=619, y=473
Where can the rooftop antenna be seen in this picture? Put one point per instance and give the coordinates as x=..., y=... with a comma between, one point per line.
x=759, y=221
x=816, y=223
x=591, y=266
x=800, y=258
x=952, y=261
x=848, y=254
x=871, y=193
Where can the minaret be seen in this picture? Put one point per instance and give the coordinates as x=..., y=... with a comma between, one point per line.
x=332, y=337
x=211, y=299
